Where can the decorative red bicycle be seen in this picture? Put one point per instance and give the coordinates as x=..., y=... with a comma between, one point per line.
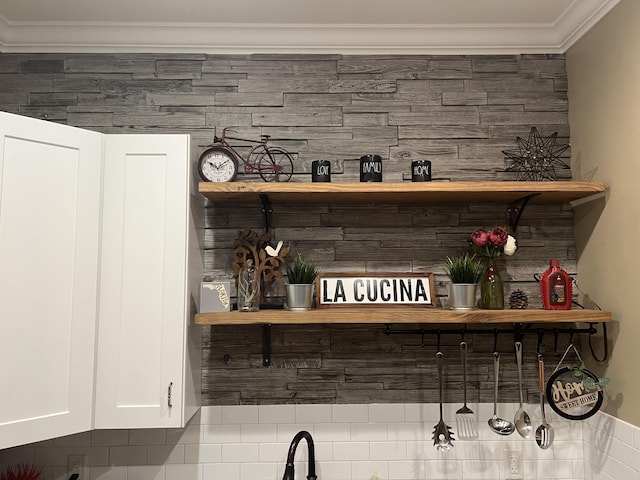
x=219, y=161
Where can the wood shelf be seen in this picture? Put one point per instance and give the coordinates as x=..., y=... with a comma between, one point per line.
x=393, y=193
x=400, y=315
x=400, y=193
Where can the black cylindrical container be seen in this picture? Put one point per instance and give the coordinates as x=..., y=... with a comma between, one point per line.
x=421, y=171
x=371, y=168
x=321, y=171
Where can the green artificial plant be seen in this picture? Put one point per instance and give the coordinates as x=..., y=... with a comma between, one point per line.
x=301, y=270
x=588, y=382
x=465, y=268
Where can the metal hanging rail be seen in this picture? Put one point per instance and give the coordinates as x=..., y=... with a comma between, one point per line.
x=518, y=330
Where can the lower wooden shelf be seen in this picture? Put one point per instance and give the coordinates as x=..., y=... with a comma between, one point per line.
x=345, y=315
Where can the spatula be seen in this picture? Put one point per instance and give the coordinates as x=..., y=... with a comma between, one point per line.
x=465, y=418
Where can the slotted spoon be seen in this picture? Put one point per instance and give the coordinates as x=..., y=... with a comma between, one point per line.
x=465, y=418
x=442, y=435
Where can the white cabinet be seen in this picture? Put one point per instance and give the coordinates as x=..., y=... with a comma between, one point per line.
x=100, y=265
x=148, y=362
x=50, y=182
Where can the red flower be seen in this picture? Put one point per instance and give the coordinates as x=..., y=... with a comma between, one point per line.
x=498, y=237
x=22, y=472
x=492, y=244
x=479, y=238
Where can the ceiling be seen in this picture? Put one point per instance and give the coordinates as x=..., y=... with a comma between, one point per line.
x=298, y=26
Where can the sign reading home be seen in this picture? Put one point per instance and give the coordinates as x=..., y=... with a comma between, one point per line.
x=376, y=289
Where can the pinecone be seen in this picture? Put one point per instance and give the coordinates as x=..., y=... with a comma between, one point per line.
x=518, y=299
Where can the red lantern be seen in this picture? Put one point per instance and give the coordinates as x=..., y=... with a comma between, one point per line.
x=556, y=288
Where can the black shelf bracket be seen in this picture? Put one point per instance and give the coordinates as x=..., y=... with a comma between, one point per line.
x=267, y=211
x=515, y=210
x=266, y=345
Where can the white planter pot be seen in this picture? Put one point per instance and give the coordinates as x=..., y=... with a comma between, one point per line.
x=462, y=296
x=299, y=296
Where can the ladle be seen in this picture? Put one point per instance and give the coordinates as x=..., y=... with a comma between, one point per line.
x=544, y=432
x=498, y=425
x=521, y=418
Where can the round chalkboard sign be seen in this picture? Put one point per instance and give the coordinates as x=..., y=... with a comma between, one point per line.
x=568, y=396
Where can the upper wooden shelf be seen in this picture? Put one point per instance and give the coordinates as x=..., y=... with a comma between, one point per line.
x=385, y=315
x=392, y=193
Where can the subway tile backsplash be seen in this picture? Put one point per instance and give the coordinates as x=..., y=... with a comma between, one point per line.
x=352, y=442
x=611, y=449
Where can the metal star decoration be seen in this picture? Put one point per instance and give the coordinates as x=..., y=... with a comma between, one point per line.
x=536, y=158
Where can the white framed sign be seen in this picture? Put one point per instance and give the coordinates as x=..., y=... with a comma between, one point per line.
x=374, y=289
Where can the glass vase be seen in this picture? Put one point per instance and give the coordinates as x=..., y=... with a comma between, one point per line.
x=491, y=288
x=248, y=288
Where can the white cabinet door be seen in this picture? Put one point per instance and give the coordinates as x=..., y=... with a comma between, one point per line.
x=49, y=238
x=144, y=374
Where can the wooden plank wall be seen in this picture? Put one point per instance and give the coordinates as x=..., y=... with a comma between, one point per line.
x=458, y=111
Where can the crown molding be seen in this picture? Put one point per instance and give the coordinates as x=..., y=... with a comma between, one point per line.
x=580, y=18
x=92, y=37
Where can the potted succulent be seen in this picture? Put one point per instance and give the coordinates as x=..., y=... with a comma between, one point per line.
x=301, y=275
x=465, y=272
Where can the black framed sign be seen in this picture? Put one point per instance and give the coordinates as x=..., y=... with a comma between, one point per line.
x=375, y=289
x=570, y=398
x=574, y=393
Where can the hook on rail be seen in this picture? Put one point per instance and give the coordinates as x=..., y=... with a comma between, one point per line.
x=540, y=337
x=267, y=211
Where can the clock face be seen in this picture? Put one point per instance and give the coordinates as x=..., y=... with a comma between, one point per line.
x=218, y=165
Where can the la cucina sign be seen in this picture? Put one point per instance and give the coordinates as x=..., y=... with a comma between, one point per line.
x=349, y=289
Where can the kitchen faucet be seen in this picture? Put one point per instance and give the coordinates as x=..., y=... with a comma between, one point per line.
x=289, y=469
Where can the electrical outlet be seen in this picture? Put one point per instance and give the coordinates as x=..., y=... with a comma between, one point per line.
x=513, y=465
x=77, y=465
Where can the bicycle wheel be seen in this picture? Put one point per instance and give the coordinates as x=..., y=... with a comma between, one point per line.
x=276, y=165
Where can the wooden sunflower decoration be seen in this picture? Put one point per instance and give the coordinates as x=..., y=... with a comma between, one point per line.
x=536, y=158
